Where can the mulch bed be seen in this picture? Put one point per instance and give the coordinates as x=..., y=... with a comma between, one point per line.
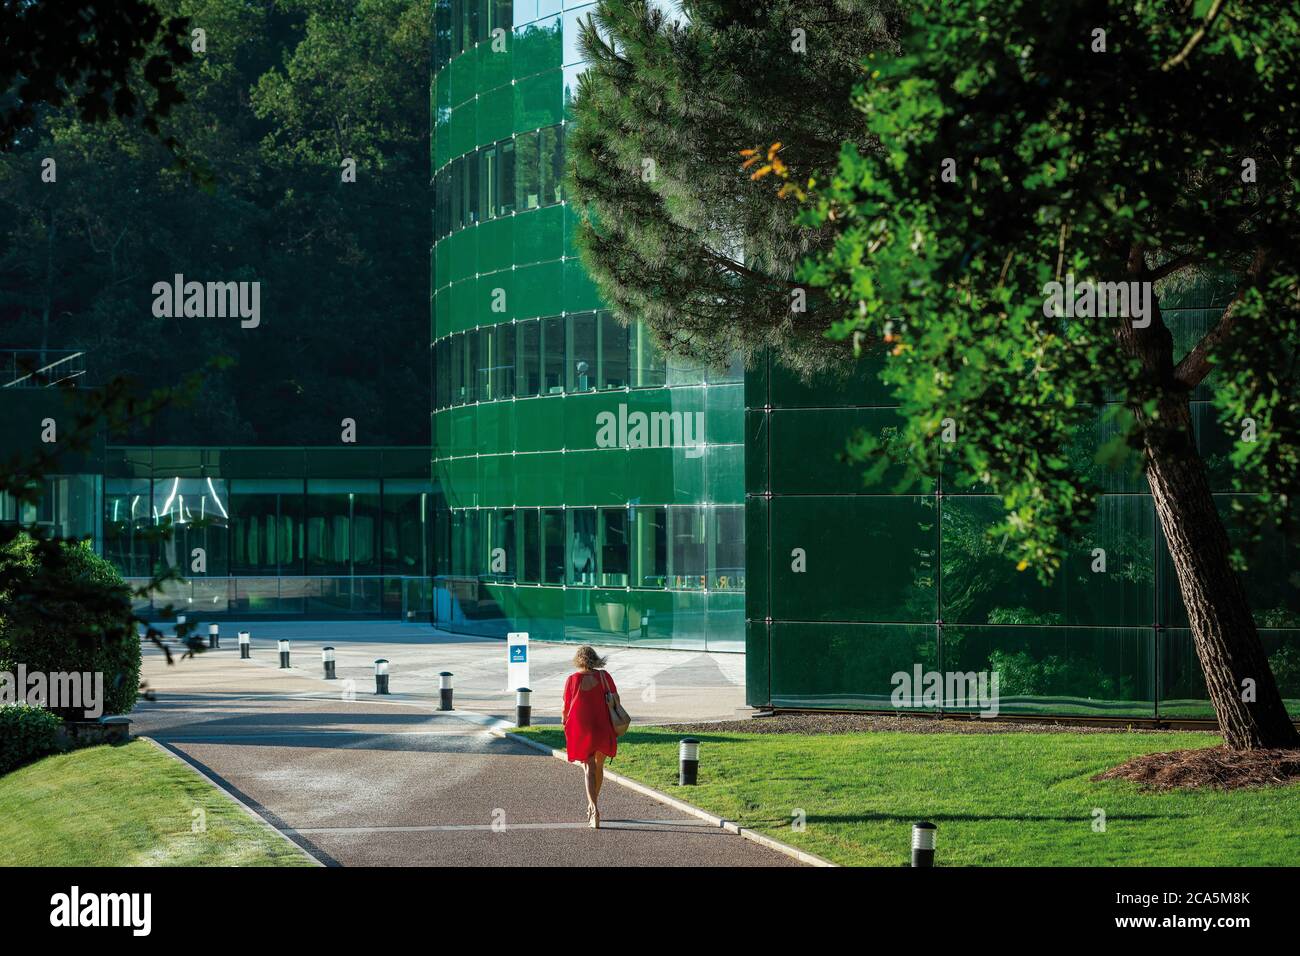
x=1212, y=767
x=871, y=723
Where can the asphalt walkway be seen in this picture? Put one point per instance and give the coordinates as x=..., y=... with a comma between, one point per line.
x=360, y=780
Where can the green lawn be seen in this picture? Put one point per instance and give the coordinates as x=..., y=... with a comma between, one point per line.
x=998, y=799
x=127, y=806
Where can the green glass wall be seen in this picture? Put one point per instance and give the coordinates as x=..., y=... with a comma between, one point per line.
x=588, y=489
x=284, y=531
x=893, y=581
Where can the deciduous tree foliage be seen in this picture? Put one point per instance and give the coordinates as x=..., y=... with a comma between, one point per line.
x=672, y=235
x=1118, y=142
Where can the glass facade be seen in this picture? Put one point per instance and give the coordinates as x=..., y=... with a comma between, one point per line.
x=588, y=489
x=891, y=581
x=324, y=532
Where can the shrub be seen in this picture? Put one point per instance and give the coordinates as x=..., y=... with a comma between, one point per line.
x=26, y=732
x=74, y=616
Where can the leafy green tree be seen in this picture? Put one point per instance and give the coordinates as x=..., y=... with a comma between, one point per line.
x=1024, y=144
x=83, y=53
x=670, y=233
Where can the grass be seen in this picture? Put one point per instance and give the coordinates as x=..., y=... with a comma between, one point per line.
x=129, y=805
x=1015, y=799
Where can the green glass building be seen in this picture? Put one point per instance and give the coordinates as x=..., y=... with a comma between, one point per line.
x=587, y=489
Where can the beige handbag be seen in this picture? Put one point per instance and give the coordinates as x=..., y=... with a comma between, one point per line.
x=617, y=715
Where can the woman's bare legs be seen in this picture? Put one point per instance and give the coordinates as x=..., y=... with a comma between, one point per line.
x=589, y=783
x=600, y=774
x=596, y=768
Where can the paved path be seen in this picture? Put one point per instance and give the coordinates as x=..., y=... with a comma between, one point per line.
x=374, y=782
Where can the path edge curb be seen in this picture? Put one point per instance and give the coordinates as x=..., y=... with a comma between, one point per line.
x=729, y=825
x=238, y=802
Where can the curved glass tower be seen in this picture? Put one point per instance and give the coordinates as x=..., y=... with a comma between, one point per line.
x=588, y=490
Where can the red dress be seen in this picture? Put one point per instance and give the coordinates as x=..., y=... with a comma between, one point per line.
x=587, y=729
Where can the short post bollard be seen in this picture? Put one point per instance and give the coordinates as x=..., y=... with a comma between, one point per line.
x=327, y=658
x=923, y=834
x=523, y=707
x=180, y=622
x=381, y=676
x=444, y=691
x=688, y=769
x=245, y=645
x=214, y=635
x=284, y=654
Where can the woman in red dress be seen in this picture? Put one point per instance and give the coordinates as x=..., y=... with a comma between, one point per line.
x=589, y=736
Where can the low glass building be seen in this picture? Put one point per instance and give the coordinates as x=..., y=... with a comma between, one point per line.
x=588, y=490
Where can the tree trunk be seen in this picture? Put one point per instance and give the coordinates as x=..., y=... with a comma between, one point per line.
x=1223, y=628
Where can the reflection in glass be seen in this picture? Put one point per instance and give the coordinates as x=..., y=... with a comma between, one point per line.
x=582, y=549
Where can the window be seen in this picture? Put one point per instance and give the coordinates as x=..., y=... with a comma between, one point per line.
x=503, y=360
x=456, y=368
x=651, y=548
x=405, y=504
x=553, y=546
x=727, y=571
x=582, y=355
x=550, y=160
x=483, y=355
x=528, y=191
x=506, y=171
x=488, y=181
x=266, y=522
x=501, y=544
x=613, y=547
x=442, y=374
x=689, y=557
x=473, y=365
x=530, y=521
x=552, y=356
x=530, y=358
x=473, y=195
x=343, y=523
x=646, y=363
x=582, y=546
x=613, y=352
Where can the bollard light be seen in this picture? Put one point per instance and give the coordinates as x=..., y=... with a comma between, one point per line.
x=327, y=658
x=381, y=676
x=284, y=654
x=688, y=762
x=180, y=622
x=444, y=691
x=214, y=635
x=523, y=707
x=245, y=645
x=923, y=833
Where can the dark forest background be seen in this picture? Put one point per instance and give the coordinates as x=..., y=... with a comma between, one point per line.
x=284, y=92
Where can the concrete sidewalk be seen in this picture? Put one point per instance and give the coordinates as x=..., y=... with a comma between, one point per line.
x=658, y=686
x=374, y=781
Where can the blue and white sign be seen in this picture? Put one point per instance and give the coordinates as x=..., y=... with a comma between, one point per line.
x=516, y=660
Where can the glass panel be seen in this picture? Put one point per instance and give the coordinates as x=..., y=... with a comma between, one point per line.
x=651, y=547
x=527, y=180
x=475, y=381
x=196, y=511
x=405, y=526
x=727, y=572
x=552, y=356
x=530, y=358
x=582, y=357
x=647, y=364
x=613, y=352
x=456, y=369
x=550, y=146
x=343, y=523
x=613, y=547
x=506, y=172
x=501, y=544
x=553, y=546
x=582, y=549
x=488, y=182
x=503, y=361
x=127, y=516
x=689, y=555
x=532, y=546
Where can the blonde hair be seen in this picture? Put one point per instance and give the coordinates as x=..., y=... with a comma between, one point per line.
x=586, y=658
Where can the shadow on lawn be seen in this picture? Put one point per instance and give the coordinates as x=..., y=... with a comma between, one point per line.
x=908, y=819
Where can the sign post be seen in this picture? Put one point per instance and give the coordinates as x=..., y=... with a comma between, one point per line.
x=516, y=660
